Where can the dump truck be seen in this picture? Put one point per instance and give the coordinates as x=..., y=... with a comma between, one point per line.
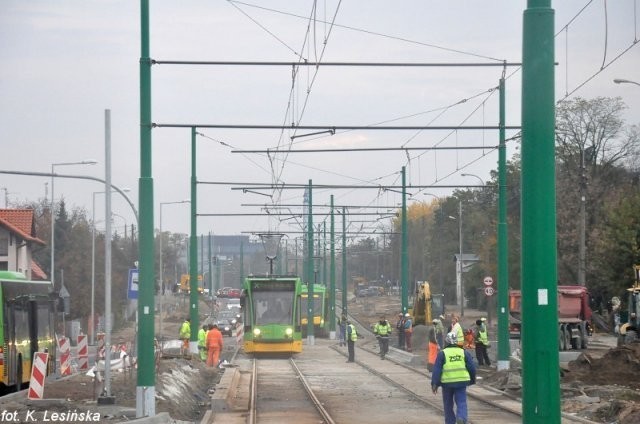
x=574, y=316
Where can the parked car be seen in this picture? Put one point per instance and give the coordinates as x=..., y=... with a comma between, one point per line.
x=227, y=321
x=234, y=293
x=233, y=303
x=224, y=292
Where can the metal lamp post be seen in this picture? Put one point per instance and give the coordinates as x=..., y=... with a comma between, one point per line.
x=459, y=262
x=93, y=261
x=53, y=215
x=161, y=270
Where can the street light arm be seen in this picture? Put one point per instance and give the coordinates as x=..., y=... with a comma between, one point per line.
x=80, y=177
x=475, y=176
x=624, y=81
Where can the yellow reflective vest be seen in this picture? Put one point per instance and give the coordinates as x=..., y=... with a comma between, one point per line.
x=352, y=334
x=454, y=369
x=202, y=338
x=382, y=329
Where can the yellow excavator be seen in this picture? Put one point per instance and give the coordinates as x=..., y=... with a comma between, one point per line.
x=627, y=322
x=426, y=305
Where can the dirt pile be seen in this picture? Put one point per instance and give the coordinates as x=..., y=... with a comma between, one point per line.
x=614, y=367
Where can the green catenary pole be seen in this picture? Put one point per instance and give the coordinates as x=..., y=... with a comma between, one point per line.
x=211, y=291
x=241, y=264
x=193, y=246
x=332, y=278
x=503, y=252
x=540, y=358
x=344, y=260
x=310, y=270
x=146, y=381
x=404, y=266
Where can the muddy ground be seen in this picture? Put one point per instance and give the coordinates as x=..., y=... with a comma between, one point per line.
x=602, y=385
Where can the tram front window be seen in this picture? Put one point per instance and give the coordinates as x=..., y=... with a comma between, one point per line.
x=273, y=307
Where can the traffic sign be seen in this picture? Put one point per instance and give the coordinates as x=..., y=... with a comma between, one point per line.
x=132, y=286
x=488, y=281
x=489, y=291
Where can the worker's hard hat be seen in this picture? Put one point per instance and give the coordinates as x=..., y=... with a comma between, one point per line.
x=441, y=317
x=451, y=338
x=483, y=319
x=435, y=320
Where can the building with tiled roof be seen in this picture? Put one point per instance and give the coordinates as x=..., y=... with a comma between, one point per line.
x=17, y=239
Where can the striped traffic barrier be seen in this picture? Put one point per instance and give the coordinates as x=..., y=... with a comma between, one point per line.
x=100, y=353
x=38, y=373
x=64, y=348
x=83, y=353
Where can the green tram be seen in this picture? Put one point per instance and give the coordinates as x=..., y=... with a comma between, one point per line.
x=320, y=310
x=28, y=318
x=271, y=314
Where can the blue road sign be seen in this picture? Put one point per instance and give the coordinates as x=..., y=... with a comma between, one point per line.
x=132, y=287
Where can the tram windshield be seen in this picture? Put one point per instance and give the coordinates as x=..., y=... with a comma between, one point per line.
x=317, y=305
x=273, y=307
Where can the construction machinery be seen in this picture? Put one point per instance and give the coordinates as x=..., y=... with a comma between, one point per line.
x=426, y=305
x=626, y=320
x=574, y=316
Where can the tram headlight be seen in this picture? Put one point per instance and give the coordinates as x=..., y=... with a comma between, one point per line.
x=321, y=321
x=256, y=332
x=289, y=331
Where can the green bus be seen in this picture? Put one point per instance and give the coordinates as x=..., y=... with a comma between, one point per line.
x=27, y=319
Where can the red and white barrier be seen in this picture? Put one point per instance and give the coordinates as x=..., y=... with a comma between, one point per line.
x=83, y=353
x=64, y=348
x=38, y=373
x=100, y=353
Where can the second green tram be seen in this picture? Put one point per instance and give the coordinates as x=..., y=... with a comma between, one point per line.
x=271, y=314
x=320, y=310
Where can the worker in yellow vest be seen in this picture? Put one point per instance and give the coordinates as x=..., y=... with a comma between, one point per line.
x=454, y=370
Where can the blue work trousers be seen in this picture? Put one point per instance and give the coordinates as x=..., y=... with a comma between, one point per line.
x=458, y=396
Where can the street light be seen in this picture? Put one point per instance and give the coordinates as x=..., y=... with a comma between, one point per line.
x=460, y=290
x=53, y=219
x=93, y=261
x=625, y=81
x=475, y=176
x=161, y=273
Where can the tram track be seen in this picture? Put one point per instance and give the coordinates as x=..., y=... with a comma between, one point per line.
x=485, y=404
x=276, y=396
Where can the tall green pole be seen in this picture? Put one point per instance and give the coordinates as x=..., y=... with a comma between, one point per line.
x=324, y=253
x=193, y=247
x=404, y=266
x=211, y=291
x=344, y=260
x=296, y=266
x=146, y=381
x=310, y=270
x=241, y=264
x=503, y=251
x=332, y=278
x=540, y=358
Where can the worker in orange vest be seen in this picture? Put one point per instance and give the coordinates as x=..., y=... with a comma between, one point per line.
x=214, y=345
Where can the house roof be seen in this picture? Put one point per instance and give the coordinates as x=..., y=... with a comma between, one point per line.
x=20, y=222
x=36, y=272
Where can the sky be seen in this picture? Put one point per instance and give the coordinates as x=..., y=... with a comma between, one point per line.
x=63, y=63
